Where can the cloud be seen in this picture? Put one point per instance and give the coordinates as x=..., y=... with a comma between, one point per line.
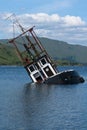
x=68, y=28
x=45, y=19
x=73, y=21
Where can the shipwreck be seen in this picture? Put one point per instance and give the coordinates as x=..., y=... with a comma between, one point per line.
x=37, y=62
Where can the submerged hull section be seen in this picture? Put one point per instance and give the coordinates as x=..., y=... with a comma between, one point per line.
x=65, y=77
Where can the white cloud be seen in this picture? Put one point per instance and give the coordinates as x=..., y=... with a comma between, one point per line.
x=39, y=18
x=73, y=21
x=71, y=29
x=54, y=18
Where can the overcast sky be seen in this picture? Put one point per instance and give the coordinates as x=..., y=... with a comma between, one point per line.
x=64, y=20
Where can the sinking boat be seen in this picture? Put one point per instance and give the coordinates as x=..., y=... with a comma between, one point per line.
x=38, y=64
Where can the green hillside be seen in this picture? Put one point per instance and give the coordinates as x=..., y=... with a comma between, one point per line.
x=60, y=51
x=8, y=55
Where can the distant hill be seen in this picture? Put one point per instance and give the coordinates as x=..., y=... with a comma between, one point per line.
x=58, y=50
x=8, y=55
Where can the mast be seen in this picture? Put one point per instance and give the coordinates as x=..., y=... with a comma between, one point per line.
x=33, y=47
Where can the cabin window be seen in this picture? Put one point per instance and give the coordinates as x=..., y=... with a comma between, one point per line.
x=38, y=77
x=48, y=71
x=43, y=61
x=31, y=68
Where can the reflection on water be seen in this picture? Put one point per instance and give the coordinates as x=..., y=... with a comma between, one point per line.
x=37, y=106
x=37, y=90
x=34, y=97
x=40, y=106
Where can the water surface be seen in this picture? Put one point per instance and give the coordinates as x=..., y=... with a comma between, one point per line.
x=26, y=106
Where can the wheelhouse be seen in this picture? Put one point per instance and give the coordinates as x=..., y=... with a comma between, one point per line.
x=40, y=70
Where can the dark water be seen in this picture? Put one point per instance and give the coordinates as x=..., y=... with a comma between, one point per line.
x=25, y=106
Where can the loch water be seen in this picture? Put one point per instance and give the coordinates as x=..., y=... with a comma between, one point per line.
x=28, y=106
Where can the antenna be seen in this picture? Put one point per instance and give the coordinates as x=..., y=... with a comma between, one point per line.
x=15, y=21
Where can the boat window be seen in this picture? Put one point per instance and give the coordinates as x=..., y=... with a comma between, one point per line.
x=31, y=68
x=36, y=74
x=48, y=71
x=43, y=61
x=38, y=77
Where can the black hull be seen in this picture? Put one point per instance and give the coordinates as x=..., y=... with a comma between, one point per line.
x=65, y=77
